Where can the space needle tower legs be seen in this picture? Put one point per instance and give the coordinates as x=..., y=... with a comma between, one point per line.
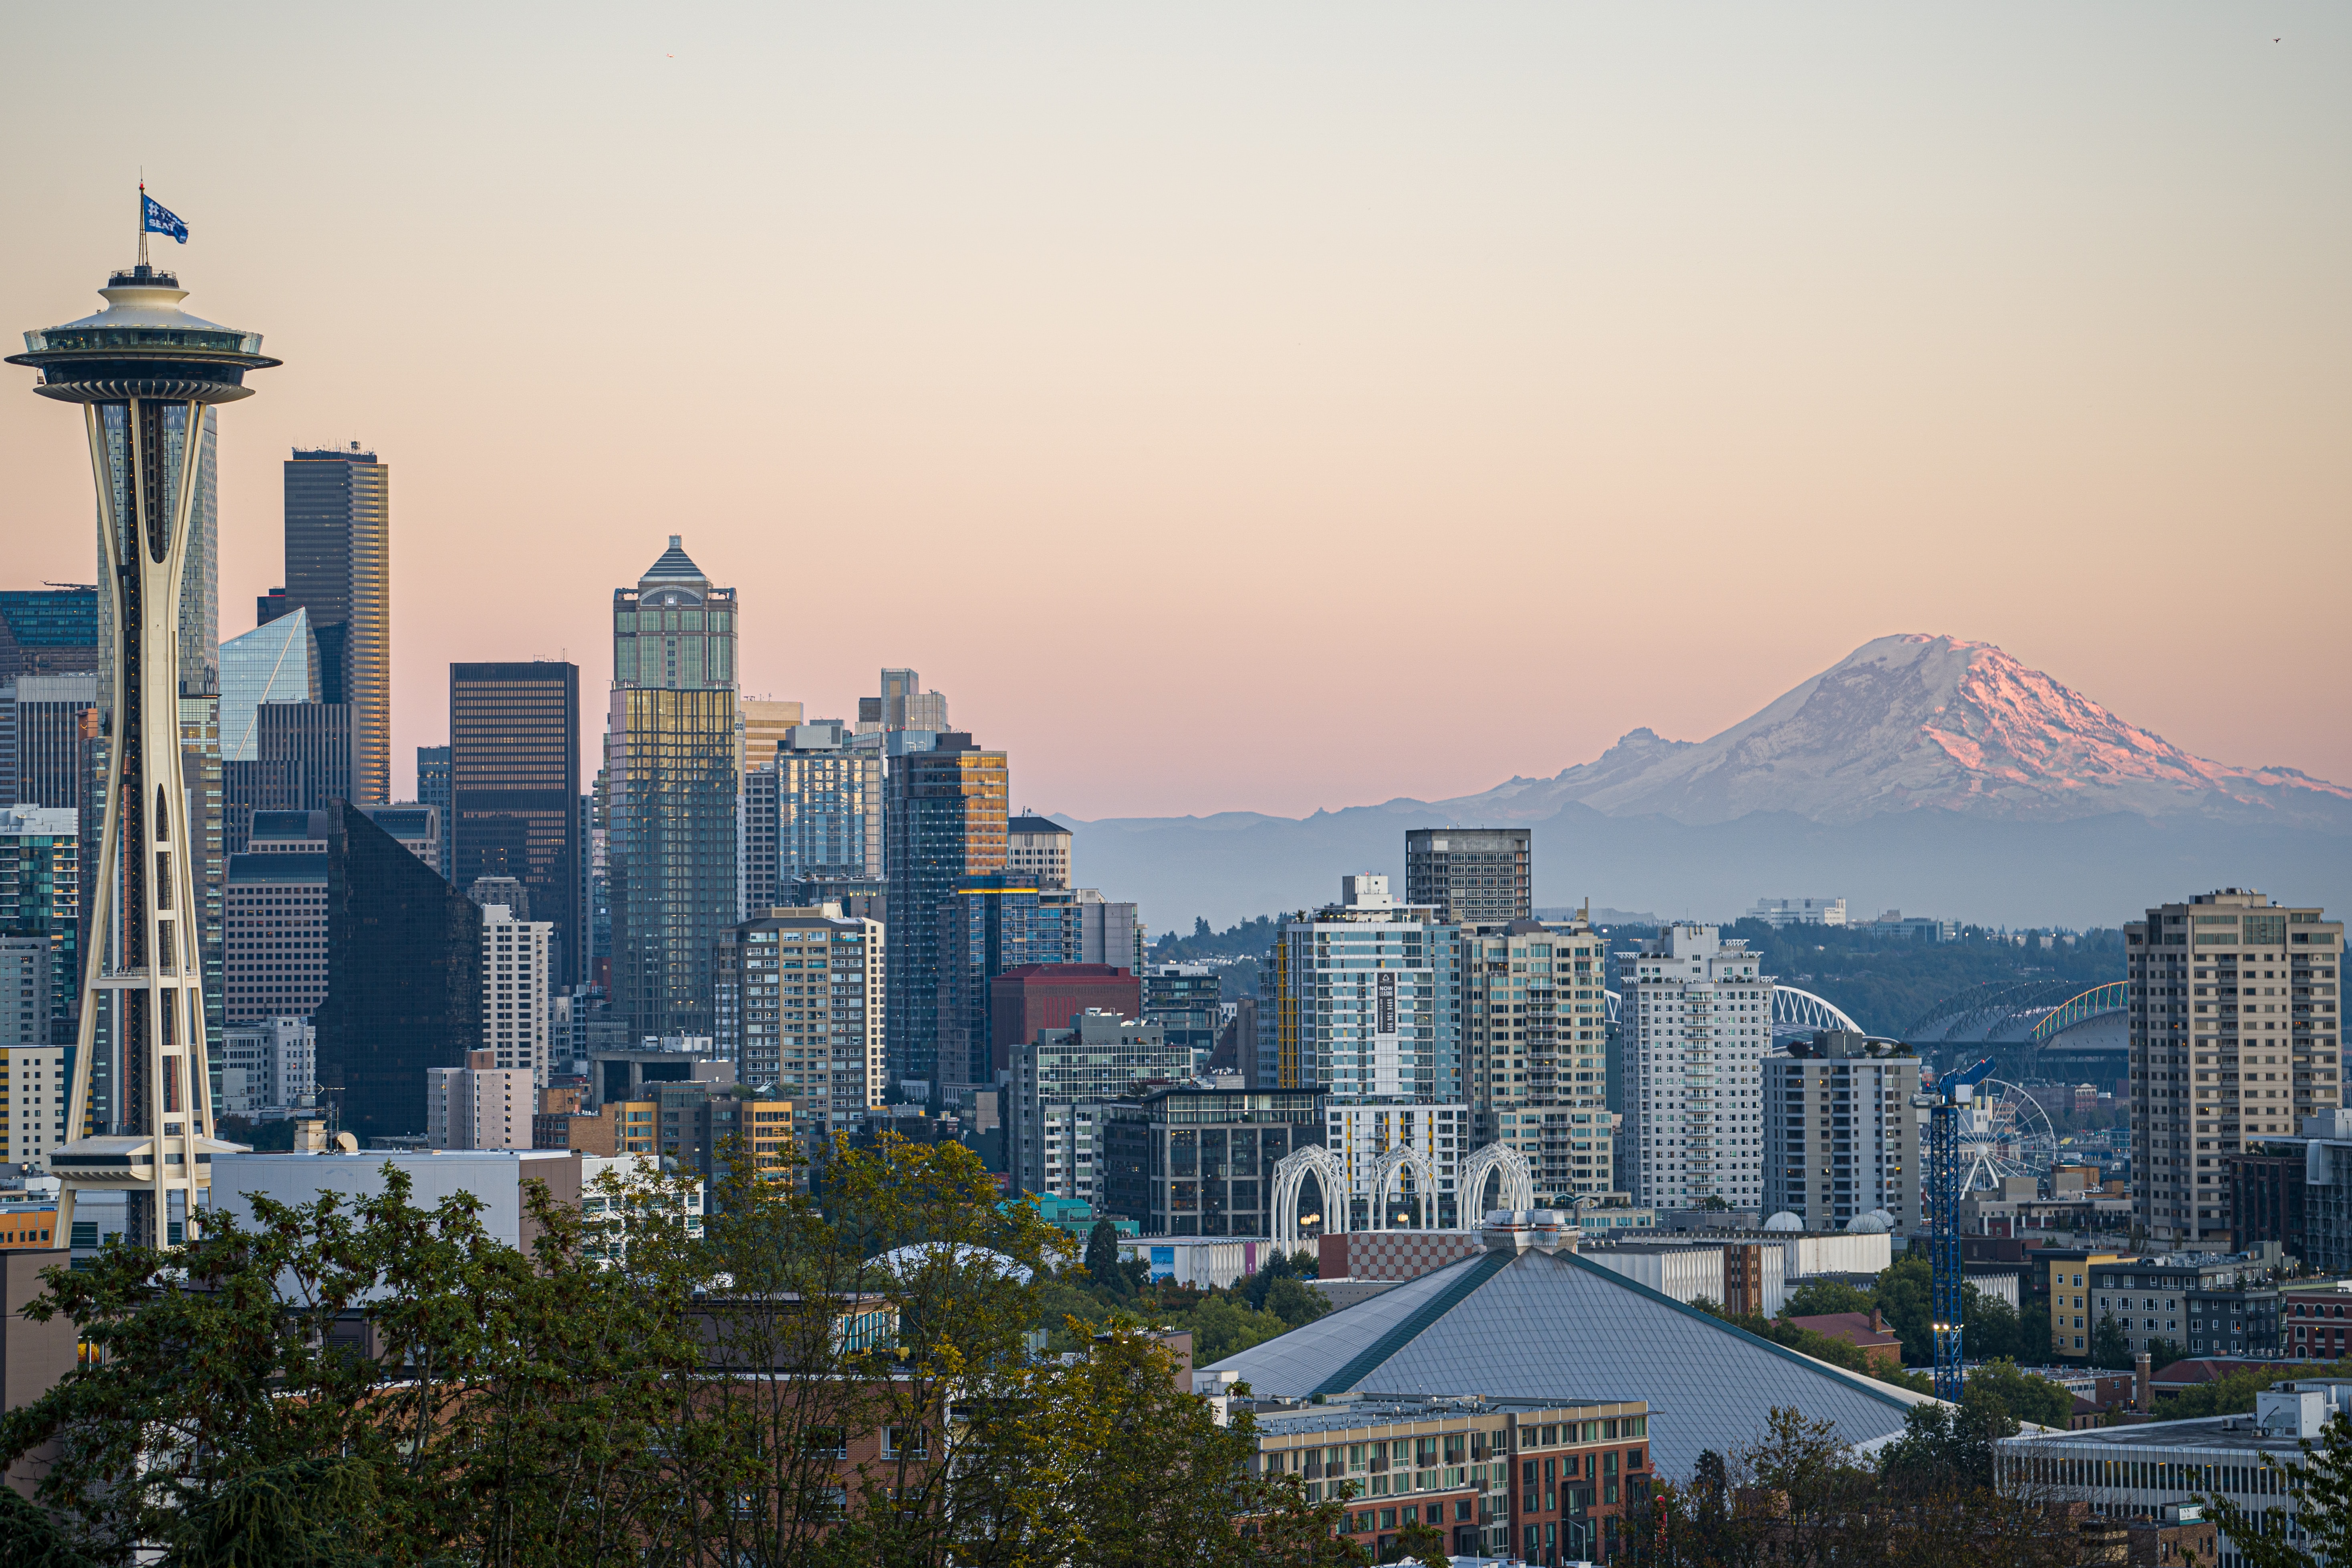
x=144, y=372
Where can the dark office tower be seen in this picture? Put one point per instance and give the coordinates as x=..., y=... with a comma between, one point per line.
x=45, y=742
x=944, y=821
x=404, y=979
x=990, y=926
x=670, y=787
x=514, y=793
x=433, y=790
x=1472, y=875
x=48, y=631
x=339, y=567
x=307, y=746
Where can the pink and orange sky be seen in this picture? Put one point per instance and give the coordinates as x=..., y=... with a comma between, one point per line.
x=1266, y=408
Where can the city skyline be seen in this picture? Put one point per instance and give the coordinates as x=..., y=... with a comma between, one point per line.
x=2043, y=359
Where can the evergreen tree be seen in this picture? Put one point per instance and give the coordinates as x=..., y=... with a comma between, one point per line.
x=1102, y=1260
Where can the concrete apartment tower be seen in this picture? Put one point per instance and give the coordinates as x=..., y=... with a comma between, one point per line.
x=146, y=376
x=2234, y=1037
x=1534, y=1043
x=339, y=567
x=1481, y=874
x=671, y=785
x=1840, y=1139
x=1696, y=1021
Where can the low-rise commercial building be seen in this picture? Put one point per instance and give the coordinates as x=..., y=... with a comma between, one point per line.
x=1543, y=1482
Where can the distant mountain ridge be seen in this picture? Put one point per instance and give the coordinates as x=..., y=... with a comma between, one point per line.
x=1929, y=771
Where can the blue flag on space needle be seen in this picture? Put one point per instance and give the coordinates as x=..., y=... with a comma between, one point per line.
x=161, y=219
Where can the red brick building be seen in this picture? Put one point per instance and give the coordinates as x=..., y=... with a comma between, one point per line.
x=1035, y=996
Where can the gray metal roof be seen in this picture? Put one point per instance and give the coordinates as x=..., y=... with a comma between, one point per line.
x=1552, y=1326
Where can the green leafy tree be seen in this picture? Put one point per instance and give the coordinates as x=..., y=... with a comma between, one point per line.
x=2026, y=1396
x=1417, y=1539
x=2162, y=1354
x=2320, y=1487
x=1102, y=1261
x=1821, y=1297
x=1297, y=1304
x=1904, y=1292
x=2109, y=1348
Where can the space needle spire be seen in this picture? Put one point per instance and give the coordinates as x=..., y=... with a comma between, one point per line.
x=144, y=372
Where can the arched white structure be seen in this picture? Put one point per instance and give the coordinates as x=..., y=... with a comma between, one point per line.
x=1796, y=1012
x=1290, y=1174
x=1518, y=1187
x=1385, y=1169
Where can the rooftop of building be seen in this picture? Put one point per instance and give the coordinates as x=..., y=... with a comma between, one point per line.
x=1354, y=1412
x=673, y=567
x=1493, y=1322
x=1030, y=823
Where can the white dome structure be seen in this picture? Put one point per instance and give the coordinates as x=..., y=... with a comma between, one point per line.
x=1784, y=1220
x=904, y=1261
x=1876, y=1222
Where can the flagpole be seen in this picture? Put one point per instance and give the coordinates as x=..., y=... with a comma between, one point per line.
x=143, y=220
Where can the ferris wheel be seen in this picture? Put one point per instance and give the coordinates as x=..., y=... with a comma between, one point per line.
x=2004, y=1132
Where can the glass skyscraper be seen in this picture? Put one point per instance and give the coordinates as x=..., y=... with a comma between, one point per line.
x=945, y=821
x=514, y=793
x=278, y=662
x=670, y=780
x=339, y=566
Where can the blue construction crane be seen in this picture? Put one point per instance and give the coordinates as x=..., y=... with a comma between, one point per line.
x=1952, y=1092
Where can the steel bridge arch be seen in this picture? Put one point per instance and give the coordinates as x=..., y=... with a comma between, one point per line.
x=2112, y=997
x=1796, y=1012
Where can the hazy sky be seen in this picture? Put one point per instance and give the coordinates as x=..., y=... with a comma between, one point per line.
x=1261, y=406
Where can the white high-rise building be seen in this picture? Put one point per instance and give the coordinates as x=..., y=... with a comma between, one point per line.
x=1696, y=1020
x=514, y=993
x=2234, y=1038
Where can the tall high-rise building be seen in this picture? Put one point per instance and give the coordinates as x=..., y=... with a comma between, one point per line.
x=766, y=723
x=48, y=631
x=276, y=921
x=1697, y=1019
x=45, y=739
x=671, y=785
x=989, y=927
x=1363, y=995
x=903, y=705
x=40, y=900
x=1482, y=874
x=1061, y=1088
x=146, y=376
x=828, y=806
x=200, y=780
x=1533, y=1016
x=1038, y=847
x=404, y=979
x=339, y=567
x=276, y=661
x=517, y=953
x=1840, y=1139
x=307, y=752
x=800, y=1009
x=514, y=793
x=944, y=821
x=2231, y=1043
x=433, y=790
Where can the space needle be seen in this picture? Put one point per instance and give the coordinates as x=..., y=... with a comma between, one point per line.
x=143, y=371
